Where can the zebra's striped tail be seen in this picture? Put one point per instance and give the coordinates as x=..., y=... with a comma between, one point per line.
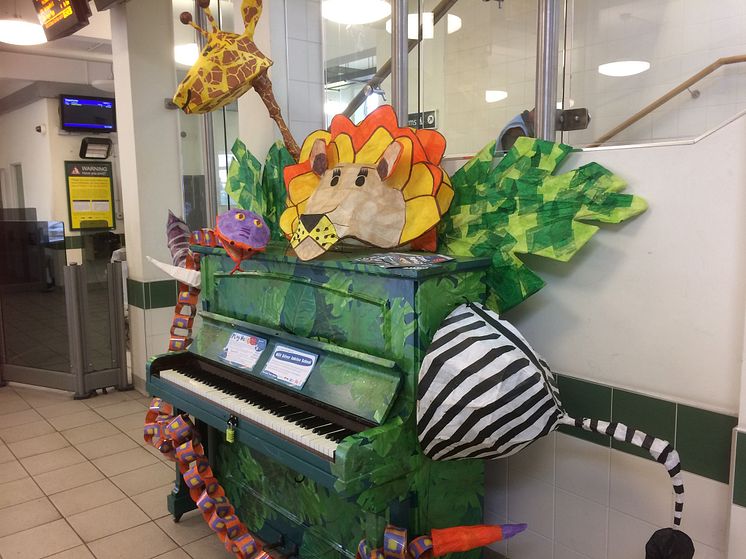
x=661, y=451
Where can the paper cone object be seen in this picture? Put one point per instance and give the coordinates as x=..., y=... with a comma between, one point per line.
x=375, y=182
x=464, y=538
x=183, y=275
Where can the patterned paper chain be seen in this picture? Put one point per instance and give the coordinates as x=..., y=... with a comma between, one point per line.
x=395, y=546
x=175, y=437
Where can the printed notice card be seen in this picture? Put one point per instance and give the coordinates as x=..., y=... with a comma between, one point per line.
x=243, y=350
x=290, y=366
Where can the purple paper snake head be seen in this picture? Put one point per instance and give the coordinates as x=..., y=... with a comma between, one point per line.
x=242, y=233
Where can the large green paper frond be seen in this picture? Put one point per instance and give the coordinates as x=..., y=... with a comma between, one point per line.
x=522, y=207
x=259, y=190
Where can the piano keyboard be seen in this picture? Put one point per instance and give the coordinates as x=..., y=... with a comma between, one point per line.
x=305, y=429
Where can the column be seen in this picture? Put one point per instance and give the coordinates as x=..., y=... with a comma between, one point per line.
x=143, y=64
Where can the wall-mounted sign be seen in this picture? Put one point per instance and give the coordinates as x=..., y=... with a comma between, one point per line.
x=61, y=18
x=426, y=119
x=90, y=195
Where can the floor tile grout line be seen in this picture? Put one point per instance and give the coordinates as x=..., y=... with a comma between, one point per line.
x=65, y=518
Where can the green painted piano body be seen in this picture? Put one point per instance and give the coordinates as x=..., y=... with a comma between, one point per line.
x=370, y=328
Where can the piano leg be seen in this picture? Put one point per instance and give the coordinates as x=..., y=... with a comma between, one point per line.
x=179, y=501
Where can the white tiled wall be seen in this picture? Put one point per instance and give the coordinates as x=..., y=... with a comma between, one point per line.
x=585, y=501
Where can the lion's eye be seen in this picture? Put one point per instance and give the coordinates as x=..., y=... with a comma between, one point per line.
x=258, y=223
x=240, y=217
x=360, y=180
x=335, y=177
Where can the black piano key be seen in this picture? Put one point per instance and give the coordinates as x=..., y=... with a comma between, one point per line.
x=313, y=422
x=340, y=435
x=331, y=428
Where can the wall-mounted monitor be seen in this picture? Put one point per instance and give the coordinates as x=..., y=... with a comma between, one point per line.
x=79, y=113
x=61, y=18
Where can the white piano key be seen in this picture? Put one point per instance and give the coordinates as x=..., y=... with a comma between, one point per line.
x=276, y=423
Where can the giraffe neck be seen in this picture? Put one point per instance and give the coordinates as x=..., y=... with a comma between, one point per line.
x=263, y=86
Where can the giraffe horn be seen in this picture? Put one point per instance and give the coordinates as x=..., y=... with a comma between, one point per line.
x=205, y=5
x=186, y=19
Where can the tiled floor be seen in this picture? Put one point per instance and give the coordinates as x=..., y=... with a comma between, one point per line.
x=77, y=482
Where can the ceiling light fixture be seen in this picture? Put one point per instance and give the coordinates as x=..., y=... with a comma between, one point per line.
x=355, y=13
x=186, y=54
x=16, y=31
x=453, y=24
x=495, y=95
x=623, y=68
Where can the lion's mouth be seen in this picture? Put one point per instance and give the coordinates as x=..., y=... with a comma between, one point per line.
x=313, y=235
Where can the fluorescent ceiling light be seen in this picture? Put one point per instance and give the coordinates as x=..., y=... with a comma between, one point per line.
x=16, y=31
x=453, y=24
x=495, y=95
x=186, y=54
x=624, y=68
x=352, y=12
x=332, y=108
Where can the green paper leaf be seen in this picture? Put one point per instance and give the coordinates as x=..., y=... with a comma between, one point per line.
x=521, y=207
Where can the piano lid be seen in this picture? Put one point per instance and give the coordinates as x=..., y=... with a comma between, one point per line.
x=340, y=378
x=281, y=253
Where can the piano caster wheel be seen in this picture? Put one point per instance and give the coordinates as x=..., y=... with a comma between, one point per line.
x=275, y=544
x=292, y=552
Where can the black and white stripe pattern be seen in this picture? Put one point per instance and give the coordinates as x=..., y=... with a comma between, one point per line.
x=660, y=450
x=483, y=392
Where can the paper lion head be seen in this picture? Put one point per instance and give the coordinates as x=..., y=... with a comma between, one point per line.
x=374, y=182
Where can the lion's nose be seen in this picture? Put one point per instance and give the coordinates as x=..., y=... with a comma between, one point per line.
x=310, y=221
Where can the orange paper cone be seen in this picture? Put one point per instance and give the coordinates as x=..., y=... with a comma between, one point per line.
x=464, y=538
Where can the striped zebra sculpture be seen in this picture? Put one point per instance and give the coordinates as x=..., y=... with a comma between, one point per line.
x=483, y=392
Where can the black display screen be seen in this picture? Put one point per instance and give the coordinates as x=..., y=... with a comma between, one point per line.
x=61, y=18
x=87, y=114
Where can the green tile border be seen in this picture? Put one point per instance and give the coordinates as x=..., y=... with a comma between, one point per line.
x=151, y=294
x=651, y=415
x=702, y=437
x=739, y=479
x=581, y=398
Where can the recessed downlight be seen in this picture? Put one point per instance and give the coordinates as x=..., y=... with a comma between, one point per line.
x=622, y=68
x=16, y=31
x=355, y=13
x=495, y=95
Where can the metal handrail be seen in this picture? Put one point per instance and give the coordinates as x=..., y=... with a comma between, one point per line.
x=683, y=86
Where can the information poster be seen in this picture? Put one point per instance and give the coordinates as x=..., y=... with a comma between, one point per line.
x=290, y=366
x=90, y=194
x=243, y=350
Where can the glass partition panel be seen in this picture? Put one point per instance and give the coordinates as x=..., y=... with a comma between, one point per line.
x=623, y=55
x=476, y=68
x=32, y=294
x=353, y=53
x=97, y=252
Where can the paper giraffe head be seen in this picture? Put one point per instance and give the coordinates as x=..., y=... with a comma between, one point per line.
x=374, y=182
x=227, y=66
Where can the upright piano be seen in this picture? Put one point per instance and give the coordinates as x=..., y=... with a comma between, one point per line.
x=313, y=367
